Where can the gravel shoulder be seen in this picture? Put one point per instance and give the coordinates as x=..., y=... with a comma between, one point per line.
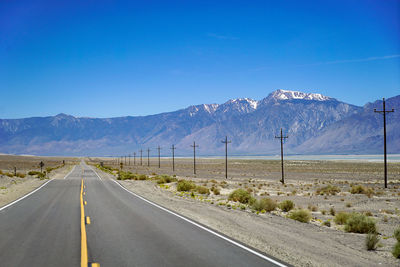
x=299, y=244
x=12, y=188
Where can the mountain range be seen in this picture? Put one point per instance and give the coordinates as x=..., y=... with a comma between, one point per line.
x=314, y=123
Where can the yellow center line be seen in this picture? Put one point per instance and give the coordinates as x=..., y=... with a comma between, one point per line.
x=84, y=221
x=84, y=253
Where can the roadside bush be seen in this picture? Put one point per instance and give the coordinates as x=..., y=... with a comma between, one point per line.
x=328, y=190
x=165, y=179
x=327, y=223
x=396, y=234
x=202, y=190
x=371, y=241
x=286, y=205
x=39, y=174
x=215, y=190
x=359, y=223
x=341, y=218
x=21, y=175
x=396, y=250
x=359, y=189
x=126, y=176
x=184, y=185
x=242, y=196
x=142, y=177
x=303, y=216
x=266, y=204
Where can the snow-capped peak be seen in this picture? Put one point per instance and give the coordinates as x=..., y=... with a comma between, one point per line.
x=242, y=105
x=287, y=95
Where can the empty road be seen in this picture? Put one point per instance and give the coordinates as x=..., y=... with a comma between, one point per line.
x=44, y=229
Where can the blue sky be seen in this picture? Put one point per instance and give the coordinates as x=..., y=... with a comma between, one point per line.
x=116, y=58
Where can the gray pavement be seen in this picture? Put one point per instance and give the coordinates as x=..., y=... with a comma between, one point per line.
x=44, y=230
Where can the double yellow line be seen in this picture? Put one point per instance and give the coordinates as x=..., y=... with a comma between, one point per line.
x=84, y=221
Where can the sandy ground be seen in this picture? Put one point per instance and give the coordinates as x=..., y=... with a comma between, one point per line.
x=12, y=188
x=300, y=244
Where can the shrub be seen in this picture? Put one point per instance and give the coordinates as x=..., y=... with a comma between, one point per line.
x=266, y=204
x=327, y=223
x=162, y=179
x=359, y=189
x=328, y=190
x=396, y=250
x=286, y=205
x=142, y=177
x=203, y=190
x=341, y=218
x=242, y=196
x=371, y=241
x=126, y=176
x=215, y=190
x=312, y=207
x=21, y=175
x=397, y=234
x=184, y=185
x=39, y=174
x=303, y=216
x=332, y=211
x=359, y=223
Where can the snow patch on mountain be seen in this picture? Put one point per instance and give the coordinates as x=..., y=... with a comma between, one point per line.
x=288, y=95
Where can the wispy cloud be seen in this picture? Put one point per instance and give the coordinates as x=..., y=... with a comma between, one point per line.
x=354, y=60
x=222, y=37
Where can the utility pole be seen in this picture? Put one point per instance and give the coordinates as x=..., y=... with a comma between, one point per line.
x=141, y=154
x=226, y=142
x=384, y=111
x=282, y=139
x=129, y=159
x=148, y=157
x=41, y=164
x=194, y=156
x=134, y=158
x=173, y=157
x=159, y=163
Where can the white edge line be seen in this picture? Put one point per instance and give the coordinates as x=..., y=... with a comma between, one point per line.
x=94, y=171
x=69, y=172
x=205, y=228
x=30, y=193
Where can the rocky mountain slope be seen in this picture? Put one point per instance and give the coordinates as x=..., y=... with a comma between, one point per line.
x=314, y=123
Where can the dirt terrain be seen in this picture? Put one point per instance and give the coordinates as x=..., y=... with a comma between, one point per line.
x=301, y=244
x=13, y=187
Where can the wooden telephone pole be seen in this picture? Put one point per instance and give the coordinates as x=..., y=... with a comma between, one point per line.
x=141, y=156
x=148, y=157
x=194, y=156
x=282, y=138
x=159, y=162
x=383, y=112
x=226, y=142
x=173, y=157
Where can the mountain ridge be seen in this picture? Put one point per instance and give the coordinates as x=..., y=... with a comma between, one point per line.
x=310, y=120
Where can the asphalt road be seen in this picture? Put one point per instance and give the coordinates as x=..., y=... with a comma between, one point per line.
x=44, y=230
